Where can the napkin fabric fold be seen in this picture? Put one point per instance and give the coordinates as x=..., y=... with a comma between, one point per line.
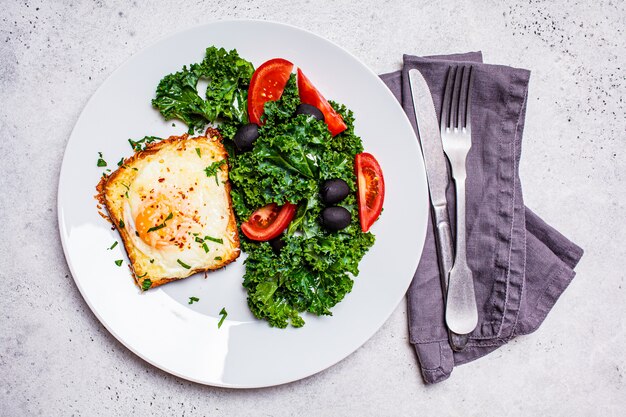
x=521, y=265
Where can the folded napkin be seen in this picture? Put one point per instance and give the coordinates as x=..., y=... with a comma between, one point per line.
x=520, y=264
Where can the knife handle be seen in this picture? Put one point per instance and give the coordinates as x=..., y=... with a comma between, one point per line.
x=444, y=242
x=443, y=238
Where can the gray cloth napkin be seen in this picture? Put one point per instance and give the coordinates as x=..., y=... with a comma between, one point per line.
x=521, y=265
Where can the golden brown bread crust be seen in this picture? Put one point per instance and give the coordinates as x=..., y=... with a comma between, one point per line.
x=152, y=148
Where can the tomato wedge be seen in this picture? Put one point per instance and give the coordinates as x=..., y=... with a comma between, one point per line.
x=310, y=95
x=371, y=189
x=268, y=222
x=267, y=84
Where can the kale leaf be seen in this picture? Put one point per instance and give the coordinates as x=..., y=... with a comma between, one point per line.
x=227, y=91
x=226, y=95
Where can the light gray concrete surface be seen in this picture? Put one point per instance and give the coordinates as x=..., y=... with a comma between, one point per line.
x=56, y=359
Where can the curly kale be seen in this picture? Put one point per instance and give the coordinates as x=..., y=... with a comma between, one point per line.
x=226, y=95
x=291, y=157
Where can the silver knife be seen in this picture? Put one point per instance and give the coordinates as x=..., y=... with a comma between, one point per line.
x=438, y=180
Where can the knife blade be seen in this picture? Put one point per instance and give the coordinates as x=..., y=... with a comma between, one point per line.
x=438, y=180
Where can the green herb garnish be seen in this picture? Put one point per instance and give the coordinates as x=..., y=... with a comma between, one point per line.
x=126, y=192
x=140, y=145
x=214, y=239
x=198, y=152
x=162, y=225
x=119, y=262
x=193, y=300
x=218, y=258
x=113, y=245
x=212, y=169
x=184, y=265
x=223, y=313
x=203, y=243
x=101, y=162
x=146, y=284
x=121, y=162
x=122, y=224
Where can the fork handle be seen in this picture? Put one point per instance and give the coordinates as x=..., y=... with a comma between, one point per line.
x=461, y=310
x=461, y=246
x=443, y=238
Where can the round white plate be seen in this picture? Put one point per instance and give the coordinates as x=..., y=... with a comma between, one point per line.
x=159, y=325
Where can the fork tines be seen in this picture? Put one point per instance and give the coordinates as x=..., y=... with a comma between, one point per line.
x=455, y=110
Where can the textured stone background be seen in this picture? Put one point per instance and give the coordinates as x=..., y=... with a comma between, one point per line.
x=57, y=360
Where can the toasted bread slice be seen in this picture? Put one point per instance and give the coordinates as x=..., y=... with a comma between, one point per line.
x=171, y=205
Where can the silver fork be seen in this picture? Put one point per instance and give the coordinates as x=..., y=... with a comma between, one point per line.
x=456, y=137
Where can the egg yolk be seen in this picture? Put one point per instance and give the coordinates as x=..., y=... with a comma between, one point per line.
x=160, y=224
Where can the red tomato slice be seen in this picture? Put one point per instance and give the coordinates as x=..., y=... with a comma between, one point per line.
x=267, y=84
x=268, y=222
x=310, y=95
x=371, y=189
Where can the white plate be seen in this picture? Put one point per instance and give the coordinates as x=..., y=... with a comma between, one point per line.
x=160, y=326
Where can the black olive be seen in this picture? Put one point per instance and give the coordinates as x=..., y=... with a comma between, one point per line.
x=310, y=110
x=333, y=191
x=277, y=244
x=245, y=137
x=335, y=218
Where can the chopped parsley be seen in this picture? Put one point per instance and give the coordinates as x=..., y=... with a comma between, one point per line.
x=218, y=258
x=113, y=245
x=127, y=188
x=101, y=162
x=203, y=243
x=162, y=225
x=223, y=313
x=121, y=224
x=151, y=261
x=146, y=284
x=193, y=300
x=119, y=262
x=119, y=164
x=214, y=239
x=140, y=145
x=184, y=265
x=212, y=170
x=198, y=152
